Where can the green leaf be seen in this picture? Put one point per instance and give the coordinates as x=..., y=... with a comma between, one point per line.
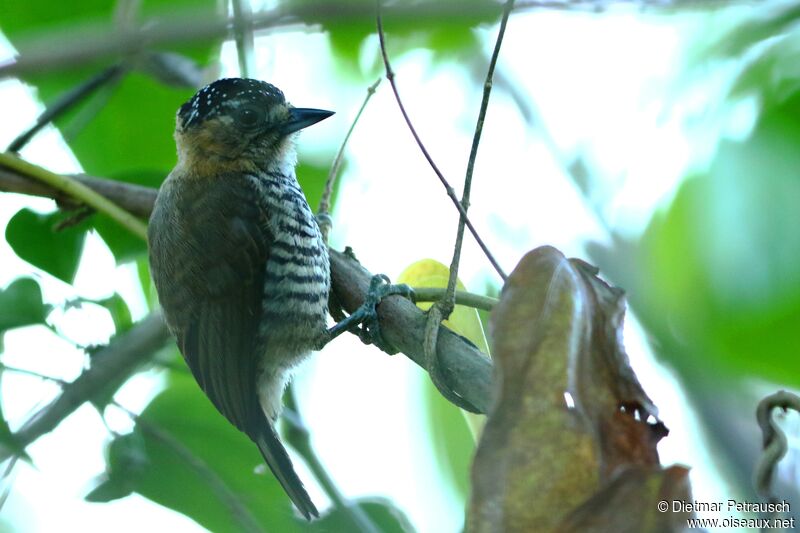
x=121, y=315
x=312, y=176
x=25, y=18
x=123, y=244
x=774, y=75
x=383, y=514
x=7, y=441
x=143, y=275
x=109, y=490
x=129, y=135
x=33, y=238
x=445, y=36
x=119, y=311
x=184, y=455
x=21, y=305
x=405, y=28
x=198, y=464
x=716, y=279
x=775, y=19
x=124, y=128
x=127, y=460
x=450, y=439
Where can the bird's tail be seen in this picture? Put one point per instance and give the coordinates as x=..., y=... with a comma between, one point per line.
x=278, y=461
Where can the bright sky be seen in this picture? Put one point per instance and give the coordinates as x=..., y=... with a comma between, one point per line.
x=603, y=92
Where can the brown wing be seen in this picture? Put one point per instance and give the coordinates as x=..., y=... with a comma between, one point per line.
x=209, y=244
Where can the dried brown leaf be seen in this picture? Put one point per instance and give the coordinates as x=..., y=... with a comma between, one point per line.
x=629, y=503
x=536, y=460
x=604, y=386
x=557, y=334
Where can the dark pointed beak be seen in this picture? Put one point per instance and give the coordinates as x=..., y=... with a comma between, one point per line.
x=302, y=117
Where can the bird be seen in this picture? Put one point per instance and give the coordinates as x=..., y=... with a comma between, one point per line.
x=238, y=260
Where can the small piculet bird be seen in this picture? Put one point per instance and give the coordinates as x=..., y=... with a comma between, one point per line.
x=238, y=260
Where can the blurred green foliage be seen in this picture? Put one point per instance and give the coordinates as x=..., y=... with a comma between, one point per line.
x=451, y=440
x=123, y=131
x=715, y=278
x=171, y=450
x=35, y=239
x=185, y=456
x=21, y=305
x=182, y=454
x=405, y=28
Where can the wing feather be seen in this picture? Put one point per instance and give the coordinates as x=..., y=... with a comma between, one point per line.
x=209, y=262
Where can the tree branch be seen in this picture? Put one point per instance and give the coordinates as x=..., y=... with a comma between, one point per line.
x=135, y=199
x=51, y=51
x=448, y=302
x=403, y=324
x=466, y=369
x=245, y=42
x=120, y=358
x=77, y=190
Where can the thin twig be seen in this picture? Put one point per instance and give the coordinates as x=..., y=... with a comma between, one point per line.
x=442, y=309
x=235, y=505
x=323, y=211
x=7, y=492
x=448, y=302
x=85, y=114
x=78, y=191
x=66, y=102
x=774, y=441
x=243, y=31
x=298, y=436
x=468, y=299
x=44, y=377
x=120, y=358
x=450, y=192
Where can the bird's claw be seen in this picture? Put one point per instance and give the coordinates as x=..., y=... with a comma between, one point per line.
x=379, y=288
x=367, y=314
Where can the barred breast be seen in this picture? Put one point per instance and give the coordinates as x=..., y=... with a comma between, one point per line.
x=296, y=286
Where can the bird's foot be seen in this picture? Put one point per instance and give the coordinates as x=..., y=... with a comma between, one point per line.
x=366, y=315
x=379, y=288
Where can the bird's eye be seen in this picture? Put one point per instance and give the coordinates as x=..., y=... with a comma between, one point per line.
x=249, y=117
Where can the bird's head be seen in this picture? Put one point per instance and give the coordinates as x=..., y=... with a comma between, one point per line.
x=237, y=124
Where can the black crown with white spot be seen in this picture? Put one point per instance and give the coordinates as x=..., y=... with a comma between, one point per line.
x=216, y=98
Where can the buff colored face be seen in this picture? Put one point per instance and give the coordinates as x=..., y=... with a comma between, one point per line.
x=233, y=119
